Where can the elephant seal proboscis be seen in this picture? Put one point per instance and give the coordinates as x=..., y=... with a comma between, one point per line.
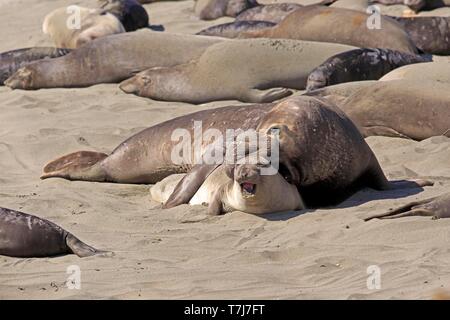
x=111, y=59
x=12, y=61
x=26, y=236
x=436, y=207
x=272, y=12
x=237, y=187
x=319, y=23
x=213, y=9
x=251, y=70
x=406, y=109
x=93, y=24
x=234, y=29
x=359, y=65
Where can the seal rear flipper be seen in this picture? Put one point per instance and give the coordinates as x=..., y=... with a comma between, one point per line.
x=266, y=96
x=80, y=248
x=408, y=210
x=81, y=165
x=189, y=185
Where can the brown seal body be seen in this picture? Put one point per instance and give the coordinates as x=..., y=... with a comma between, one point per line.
x=111, y=59
x=26, y=236
x=272, y=12
x=319, y=23
x=234, y=29
x=213, y=9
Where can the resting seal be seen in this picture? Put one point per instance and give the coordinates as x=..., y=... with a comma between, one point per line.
x=432, y=71
x=318, y=23
x=93, y=24
x=12, y=61
x=128, y=53
x=236, y=69
x=406, y=109
x=131, y=13
x=359, y=65
x=272, y=12
x=415, y=5
x=26, y=236
x=234, y=29
x=237, y=187
x=213, y=9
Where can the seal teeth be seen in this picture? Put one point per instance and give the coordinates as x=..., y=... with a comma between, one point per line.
x=248, y=187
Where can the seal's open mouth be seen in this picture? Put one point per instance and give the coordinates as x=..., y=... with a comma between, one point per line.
x=248, y=189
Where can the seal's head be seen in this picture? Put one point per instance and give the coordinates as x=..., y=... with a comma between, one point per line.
x=316, y=79
x=22, y=79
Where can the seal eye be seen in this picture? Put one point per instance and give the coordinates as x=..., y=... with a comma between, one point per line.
x=146, y=80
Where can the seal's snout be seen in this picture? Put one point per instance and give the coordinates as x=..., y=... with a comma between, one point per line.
x=248, y=188
x=129, y=86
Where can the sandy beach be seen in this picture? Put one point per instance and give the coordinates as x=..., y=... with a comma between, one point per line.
x=182, y=253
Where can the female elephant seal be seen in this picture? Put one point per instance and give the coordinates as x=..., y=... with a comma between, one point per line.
x=407, y=109
x=245, y=70
x=236, y=187
x=111, y=59
x=213, y=9
x=234, y=29
x=272, y=12
x=12, y=61
x=93, y=24
x=359, y=65
x=319, y=23
x=323, y=175
x=432, y=71
x=26, y=236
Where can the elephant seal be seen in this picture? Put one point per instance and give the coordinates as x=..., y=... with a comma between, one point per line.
x=431, y=71
x=213, y=9
x=27, y=236
x=12, y=61
x=359, y=65
x=429, y=34
x=318, y=23
x=406, y=109
x=415, y=5
x=111, y=59
x=237, y=187
x=233, y=29
x=245, y=70
x=131, y=13
x=93, y=24
x=272, y=12
x=436, y=207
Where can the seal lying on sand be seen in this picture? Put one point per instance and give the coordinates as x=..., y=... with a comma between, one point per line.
x=358, y=65
x=415, y=5
x=234, y=29
x=237, y=187
x=12, y=61
x=327, y=175
x=111, y=59
x=236, y=69
x=407, y=109
x=272, y=12
x=93, y=24
x=213, y=9
x=131, y=13
x=26, y=236
x=432, y=71
x=318, y=23
x=437, y=207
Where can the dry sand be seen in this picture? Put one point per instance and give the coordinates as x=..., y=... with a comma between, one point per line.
x=182, y=252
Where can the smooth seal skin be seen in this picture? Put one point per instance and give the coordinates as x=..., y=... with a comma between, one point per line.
x=272, y=12
x=407, y=109
x=233, y=29
x=431, y=71
x=213, y=9
x=437, y=208
x=359, y=65
x=251, y=70
x=131, y=13
x=237, y=187
x=319, y=23
x=26, y=236
x=93, y=24
x=12, y=61
x=111, y=59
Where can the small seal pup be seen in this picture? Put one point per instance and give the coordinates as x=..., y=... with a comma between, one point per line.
x=237, y=187
x=436, y=207
x=26, y=236
x=93, y=24
x=359, y=65
x=12, y=61
x=213, y=9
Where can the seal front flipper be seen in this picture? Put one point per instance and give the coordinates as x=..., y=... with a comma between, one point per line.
x=80, y=248
x=266, y=96
x=216, y=208
x=189, y=185
x=81, y=165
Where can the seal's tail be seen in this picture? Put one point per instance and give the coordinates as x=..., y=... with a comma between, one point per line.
x=81, y=165
x=80, y=248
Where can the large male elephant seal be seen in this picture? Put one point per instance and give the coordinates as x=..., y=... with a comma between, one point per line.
x=324, y=175
x=111, y=59
x=429, y=34
x=240, y=187
x=12, y=61
x=436, y=207
x=213, y=9
x=93, y=24
x=359, y=65
x=328, y=24
x=234, y=29
x=26, y=236
x=408, y=109
x=236, y=69
x=272, y=12
x=432, y=71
